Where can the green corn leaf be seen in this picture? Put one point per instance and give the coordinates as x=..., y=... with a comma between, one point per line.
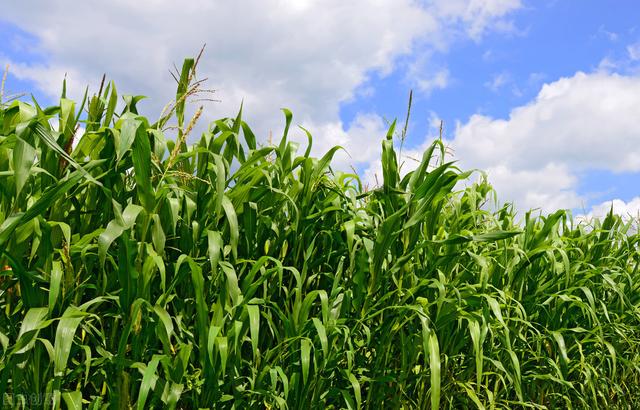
x=141, y=155
x=54, y=286
x=116, y=228
x=254, y=326
x=356, y=388
x=46, y=200
x=322, y=335
x=305, y=358
x=434, y=366
x=215, y=245
x=65, y=334
x=148, y=381
x=232, y=219
x=33, y=321
x=23, y=158
x=73, y=400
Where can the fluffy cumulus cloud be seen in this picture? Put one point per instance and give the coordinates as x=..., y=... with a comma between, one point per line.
x=579, y=123
x=629, y=209
x=308, y=55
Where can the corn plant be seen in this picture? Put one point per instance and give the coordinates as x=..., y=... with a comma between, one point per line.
x=138, y=270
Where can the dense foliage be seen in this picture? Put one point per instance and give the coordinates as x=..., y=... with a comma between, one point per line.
x=142, y=271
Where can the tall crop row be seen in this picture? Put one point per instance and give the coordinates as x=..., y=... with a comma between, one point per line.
x=140, y=271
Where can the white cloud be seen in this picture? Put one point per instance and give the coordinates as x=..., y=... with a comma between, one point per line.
x=361, y=140
x=305, y=55
x=46, y=79
x=609, y=65
x=439, y=80
x=271, y=53
x=534, y=157
x=536, y=78
x=548, y=188
x=627, y=210
x=609, y=35
x=488, y=56
x=477, y=15
x=498, y=81
x=424, y=76
x=634, y=51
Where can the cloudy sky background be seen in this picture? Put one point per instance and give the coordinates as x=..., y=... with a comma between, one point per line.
x=543, y=95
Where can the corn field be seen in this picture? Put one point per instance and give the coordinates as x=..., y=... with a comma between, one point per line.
x=141, y=271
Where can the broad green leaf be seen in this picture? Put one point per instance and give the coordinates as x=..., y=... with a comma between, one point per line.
x=54, y=285
x=116, y=228
x=322, y=335
x=73, y=400
x=232, y=219
x=33, y=321
x=215, y=245
x=434, y=367
x=65, y=333
x=141, y=156
x=356, y=388
x=254, y=326
x=148, y=382
x=305, y=358
x=23, y=158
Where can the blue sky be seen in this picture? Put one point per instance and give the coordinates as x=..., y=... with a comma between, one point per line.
x=540, y=94
x=551, y=40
